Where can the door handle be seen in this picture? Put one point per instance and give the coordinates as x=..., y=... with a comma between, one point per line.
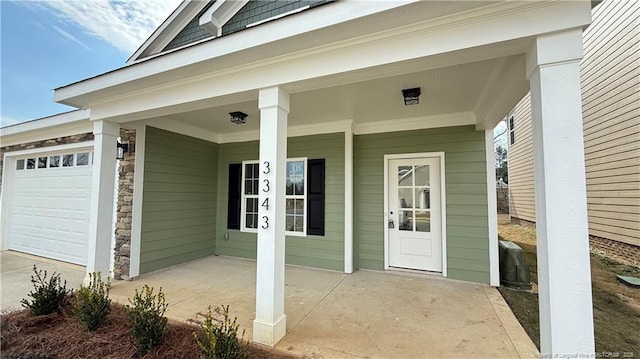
x=391, y=224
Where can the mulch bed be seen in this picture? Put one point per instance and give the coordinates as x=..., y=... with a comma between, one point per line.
x=60, y=335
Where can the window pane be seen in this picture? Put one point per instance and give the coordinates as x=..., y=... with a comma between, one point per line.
x=248, y=171
x=20, y=164
x=406, y=220
x=67, y=160
x=405, y=197
x=422, y=175
x=423, y=199
x=83, y=159
x=42, y=162
x=248, y=186
x=299, y=210
x=54, y=161
x=31, y=163
x=299, y=224
x=405, y=176
x=423, y=221
x=250, y=205
x=290, y=223
x=251, y=220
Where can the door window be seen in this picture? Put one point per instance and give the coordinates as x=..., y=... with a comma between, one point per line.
x=414, y=201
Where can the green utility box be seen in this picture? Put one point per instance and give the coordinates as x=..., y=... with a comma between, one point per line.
x=514, y=272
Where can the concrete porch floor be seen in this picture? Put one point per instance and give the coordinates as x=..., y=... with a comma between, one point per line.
x=366, y=314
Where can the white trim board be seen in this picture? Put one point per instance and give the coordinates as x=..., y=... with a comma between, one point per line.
x=492, y=208
x=443, y=204
x=136, y=210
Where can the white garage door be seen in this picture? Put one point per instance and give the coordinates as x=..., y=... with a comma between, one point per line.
x=49, y=206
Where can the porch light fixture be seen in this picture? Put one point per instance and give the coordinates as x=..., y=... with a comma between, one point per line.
x=411, y=96
x=122, y=149
x=238, y=117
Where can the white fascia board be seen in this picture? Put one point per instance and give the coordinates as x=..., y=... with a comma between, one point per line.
x=169, y=28
x=219, y=14
x=65, y=124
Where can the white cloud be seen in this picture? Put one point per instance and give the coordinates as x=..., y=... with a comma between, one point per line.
x=123, y=24
x=71, y=37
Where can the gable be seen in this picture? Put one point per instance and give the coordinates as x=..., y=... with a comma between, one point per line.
x=216, y=18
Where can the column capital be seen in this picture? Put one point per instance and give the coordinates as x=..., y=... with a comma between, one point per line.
x=554, y=48
x=273, y=97
x=101, y=127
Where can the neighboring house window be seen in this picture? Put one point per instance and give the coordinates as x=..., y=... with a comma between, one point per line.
x=304, y=196
x=512, y=132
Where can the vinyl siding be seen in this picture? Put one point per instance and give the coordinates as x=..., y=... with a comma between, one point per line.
x=610, y=74
x=179, y=199
x=466, y=196
x=314, y=251
x=520, y=160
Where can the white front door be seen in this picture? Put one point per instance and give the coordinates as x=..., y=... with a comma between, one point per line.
x=414, y=218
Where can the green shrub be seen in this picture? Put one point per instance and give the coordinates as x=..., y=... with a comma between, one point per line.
x=48, y=296
x=220, y=336
x=147, y=320
x=92, y=302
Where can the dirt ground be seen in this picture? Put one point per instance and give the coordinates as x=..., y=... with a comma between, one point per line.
x=61, y=336
x=616, y=307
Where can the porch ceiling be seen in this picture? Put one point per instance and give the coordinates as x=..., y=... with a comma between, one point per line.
x=458, y=89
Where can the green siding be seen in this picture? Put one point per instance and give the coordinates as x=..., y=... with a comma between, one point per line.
x=315, y=251
x=179, y=211
x=258, y=10
x=466, y=196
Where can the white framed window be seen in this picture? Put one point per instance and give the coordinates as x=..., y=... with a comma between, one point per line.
x=512, y=133
x=295, y=197
x=249, y=205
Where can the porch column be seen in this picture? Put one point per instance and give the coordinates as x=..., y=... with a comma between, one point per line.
x=102, y=192
x=566, y=312
x=270, y=323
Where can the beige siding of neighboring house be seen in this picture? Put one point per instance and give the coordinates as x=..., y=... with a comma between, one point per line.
x=610, y=72
x=520, y=160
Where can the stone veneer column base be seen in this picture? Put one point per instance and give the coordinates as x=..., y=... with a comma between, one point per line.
x=122, y=250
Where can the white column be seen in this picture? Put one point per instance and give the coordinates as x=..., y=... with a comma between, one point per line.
x=102, y=192
x=564, y=274
x=348, y=199
x=492, y=206
x=270, y=323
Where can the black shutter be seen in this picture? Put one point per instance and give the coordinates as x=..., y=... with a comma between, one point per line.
x=234, y=197
x=315, y=197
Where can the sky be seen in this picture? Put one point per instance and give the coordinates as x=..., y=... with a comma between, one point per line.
x=49, y=44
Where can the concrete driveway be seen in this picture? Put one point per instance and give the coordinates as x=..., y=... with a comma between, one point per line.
x=366, y=314
x=15, y=276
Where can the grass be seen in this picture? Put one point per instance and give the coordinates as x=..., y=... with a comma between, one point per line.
x=616, y=307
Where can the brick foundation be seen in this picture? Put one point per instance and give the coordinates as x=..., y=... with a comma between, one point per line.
x=622, y=252
x=625, y=253
x=122, y=250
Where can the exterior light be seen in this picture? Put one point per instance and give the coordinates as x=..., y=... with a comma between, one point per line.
x=411, y=96
x=122, y=149
x=238, y=117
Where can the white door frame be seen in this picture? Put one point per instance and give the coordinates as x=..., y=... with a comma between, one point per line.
x=443, y=204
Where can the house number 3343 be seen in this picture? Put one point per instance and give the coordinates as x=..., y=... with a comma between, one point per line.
x=266, y=189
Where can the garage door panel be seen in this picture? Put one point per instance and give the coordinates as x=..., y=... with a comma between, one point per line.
x=49, y=211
